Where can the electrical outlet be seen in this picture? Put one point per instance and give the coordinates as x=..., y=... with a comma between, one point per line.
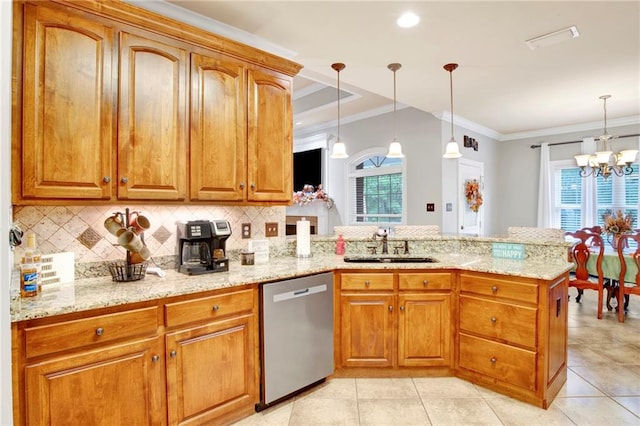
x=271, y=229
x=246, y=230
x=431, y=207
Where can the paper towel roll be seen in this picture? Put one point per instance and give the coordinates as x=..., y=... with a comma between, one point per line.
x=303, y=238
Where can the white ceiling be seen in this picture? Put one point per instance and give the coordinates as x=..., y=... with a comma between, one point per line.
x=500, y=84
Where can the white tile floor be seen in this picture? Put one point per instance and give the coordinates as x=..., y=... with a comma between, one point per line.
x=603, y=388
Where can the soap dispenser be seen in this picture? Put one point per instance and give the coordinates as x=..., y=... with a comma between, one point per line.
x=340, y=245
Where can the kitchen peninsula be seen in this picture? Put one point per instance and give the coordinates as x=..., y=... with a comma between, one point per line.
x=499, y=323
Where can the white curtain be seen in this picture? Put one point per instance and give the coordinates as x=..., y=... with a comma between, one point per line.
x=545, y=203
x=589, y=188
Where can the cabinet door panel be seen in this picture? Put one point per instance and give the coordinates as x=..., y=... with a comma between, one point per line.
x=218, y=129
x=67, y=106
x=557, y=344
x=212, y=371
x=118, y=385
x=152, y=136
x=424, y=330
x=270, y=143
x=367, y=330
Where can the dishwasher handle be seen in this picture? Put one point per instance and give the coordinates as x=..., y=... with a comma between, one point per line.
x=281, y=297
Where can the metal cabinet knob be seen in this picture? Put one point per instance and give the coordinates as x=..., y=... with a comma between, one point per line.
x=155, y=358
x=215, y=308
x=241, y=185
x=494, y=319
x=402, y=308
x=173, y=354
x=390, y=308
x=253, y=186
x=425, y=282
x=124, y=179
x=99, y=331
x=493, y=360
x=494, y=289
x=106, y=179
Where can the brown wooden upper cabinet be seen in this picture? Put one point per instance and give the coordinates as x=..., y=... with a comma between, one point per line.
x=218, y=128
x=118, y=105
x=152, y=120
x=67, y=119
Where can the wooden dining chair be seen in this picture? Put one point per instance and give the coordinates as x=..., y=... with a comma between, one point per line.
x=587, y=244
x=626, y=288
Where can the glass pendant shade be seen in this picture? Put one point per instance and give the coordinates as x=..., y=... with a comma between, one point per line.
x=395, y=150
x=583, y=160
x=603, y=156
x=452, y=151
x=339, y=150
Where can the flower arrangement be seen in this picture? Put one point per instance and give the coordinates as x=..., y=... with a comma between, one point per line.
x=473, y=195
x=617, y=224
x=309, y=193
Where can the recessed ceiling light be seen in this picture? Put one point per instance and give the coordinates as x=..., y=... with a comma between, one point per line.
x=553, y=38
x=298, y=123
x=408, y=20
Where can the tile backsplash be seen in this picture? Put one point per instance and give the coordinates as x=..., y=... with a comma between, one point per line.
x=80, y=229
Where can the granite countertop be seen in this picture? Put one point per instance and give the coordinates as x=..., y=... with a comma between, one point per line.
x=92, y=293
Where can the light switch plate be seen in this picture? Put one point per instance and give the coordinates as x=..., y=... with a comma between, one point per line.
x=246, y=230
x=271, y=229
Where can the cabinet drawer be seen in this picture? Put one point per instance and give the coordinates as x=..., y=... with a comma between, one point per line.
x=499, y=320
x=432, y=281
x=498, y=361
x=366, y=281
x=495, y=287
x=209, y=308
x=88, y=331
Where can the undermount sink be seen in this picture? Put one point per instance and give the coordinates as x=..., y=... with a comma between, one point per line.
x=390, y=259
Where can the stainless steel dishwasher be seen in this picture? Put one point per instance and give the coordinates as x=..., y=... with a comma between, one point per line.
x=297, y=335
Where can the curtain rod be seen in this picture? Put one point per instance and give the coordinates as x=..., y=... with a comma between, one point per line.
x=578, y=141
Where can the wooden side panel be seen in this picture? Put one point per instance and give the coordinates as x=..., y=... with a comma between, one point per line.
x=270, y=137
x=152, y=128
x=218, y=129
x=67, y=106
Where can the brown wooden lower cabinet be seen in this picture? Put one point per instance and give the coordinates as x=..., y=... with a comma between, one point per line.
x=395, y=320
x=186, y=360
x=506, y=333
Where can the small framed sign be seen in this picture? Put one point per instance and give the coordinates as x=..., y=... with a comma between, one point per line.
x=508, y=251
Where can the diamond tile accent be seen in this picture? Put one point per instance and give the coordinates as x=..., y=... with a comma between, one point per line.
x=89, y=238
x=162, y=234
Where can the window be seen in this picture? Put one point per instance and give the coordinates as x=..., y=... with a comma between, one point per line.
x=572, y=209
x=377, y=189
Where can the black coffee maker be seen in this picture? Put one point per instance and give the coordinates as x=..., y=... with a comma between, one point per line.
x=201, y=246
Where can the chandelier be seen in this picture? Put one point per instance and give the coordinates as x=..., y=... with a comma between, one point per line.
x=605, y=163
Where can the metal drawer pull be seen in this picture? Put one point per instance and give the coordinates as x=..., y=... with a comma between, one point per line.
x=155, y=358
x=99, y=331
x=173, y=353
x=366, y=283
x=425, y=282
x=494, y=319
x=494, y=289
x=215, y=308
x=494, y=360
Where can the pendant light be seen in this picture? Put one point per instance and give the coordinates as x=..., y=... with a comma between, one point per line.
x=452, y=150
x=395, y=149
x=339, y=150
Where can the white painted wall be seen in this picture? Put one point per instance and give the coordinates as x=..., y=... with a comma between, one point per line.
x=5, y=211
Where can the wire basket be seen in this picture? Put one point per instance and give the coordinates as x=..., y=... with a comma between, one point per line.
x=121, y=271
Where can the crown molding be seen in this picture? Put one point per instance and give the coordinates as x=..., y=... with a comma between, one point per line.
x=173, y=11
x=467, y=124
x=574, y=128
